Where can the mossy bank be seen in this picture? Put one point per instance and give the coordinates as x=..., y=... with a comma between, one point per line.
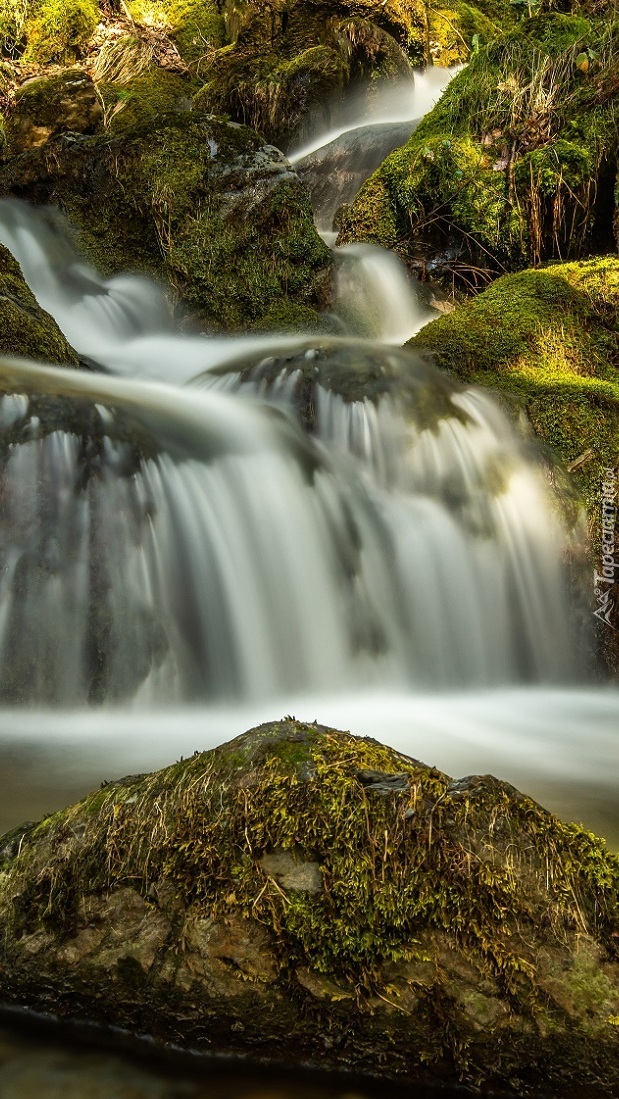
x=26, y=329
x=516, y=164
x=300, y=892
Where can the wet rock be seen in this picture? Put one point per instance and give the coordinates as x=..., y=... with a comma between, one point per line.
x=335, y=173
x=477, y=942
x=292, y=872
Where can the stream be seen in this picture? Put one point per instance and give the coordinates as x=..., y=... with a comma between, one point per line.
x=277, y=543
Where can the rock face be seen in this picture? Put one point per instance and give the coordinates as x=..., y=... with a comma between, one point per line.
x=197, y=201
x=301, y=893
x=27, y=330
x=514, y=165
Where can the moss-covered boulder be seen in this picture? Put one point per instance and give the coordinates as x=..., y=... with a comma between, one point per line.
x=197, y=27
x=48, y=105
x=548, y=340
x=514, y=165
x=301, y=893
x=43, y=31
x=27, y=330
x=200, y=202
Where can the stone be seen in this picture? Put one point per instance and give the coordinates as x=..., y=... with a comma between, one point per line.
x=475, y=942
x=45, y=106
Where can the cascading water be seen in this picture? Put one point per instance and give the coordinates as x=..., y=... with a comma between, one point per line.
x=167, y=543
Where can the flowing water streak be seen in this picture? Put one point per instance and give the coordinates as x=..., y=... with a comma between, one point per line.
x=376, y=297
x=394, y=102
x=240, y=560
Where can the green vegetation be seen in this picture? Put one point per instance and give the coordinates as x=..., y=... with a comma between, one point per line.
x=26, y=330
x=137, y=100
x=58, y=30
x=455, y=924
x=196, y=27
x=515, y=164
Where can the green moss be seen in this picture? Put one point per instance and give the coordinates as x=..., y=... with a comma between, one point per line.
x=515, y=163
x=58, y=30
x=268, y=93
x=26, y=330
x=13, y=14
x=137, y=100
x=197, y=27
x=457, y=29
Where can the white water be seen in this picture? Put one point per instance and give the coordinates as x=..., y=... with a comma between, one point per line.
x=395, y=102
x=376, y=296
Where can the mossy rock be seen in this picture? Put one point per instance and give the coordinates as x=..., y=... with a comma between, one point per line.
x=514, y=165
x=197, y=27
x=305, y=894
x=49, y=105
x=197, y=201
x=284, y=65
x=548, y=340
x=43, y=31
x=140, y=99
x=26, y=330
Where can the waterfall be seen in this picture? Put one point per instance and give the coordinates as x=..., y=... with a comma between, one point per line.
x=191, y=545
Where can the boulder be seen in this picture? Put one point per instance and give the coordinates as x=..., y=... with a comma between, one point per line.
x=197, y=201
x=49, y=105
x=335, y=172
x=303, y=894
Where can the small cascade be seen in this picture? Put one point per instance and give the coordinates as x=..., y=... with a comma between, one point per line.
x=190, y=545
x=388, y=104
x=376, y=297
x=98, y=316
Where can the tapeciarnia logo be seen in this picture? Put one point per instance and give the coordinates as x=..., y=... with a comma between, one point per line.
x=603, y=581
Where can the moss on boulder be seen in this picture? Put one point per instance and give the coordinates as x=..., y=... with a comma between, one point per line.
x=48, y=30
x=514, y=165
x=26, y=330
x=197, y=201
x=49, y=105
x=197, y=27
x=303, y=893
